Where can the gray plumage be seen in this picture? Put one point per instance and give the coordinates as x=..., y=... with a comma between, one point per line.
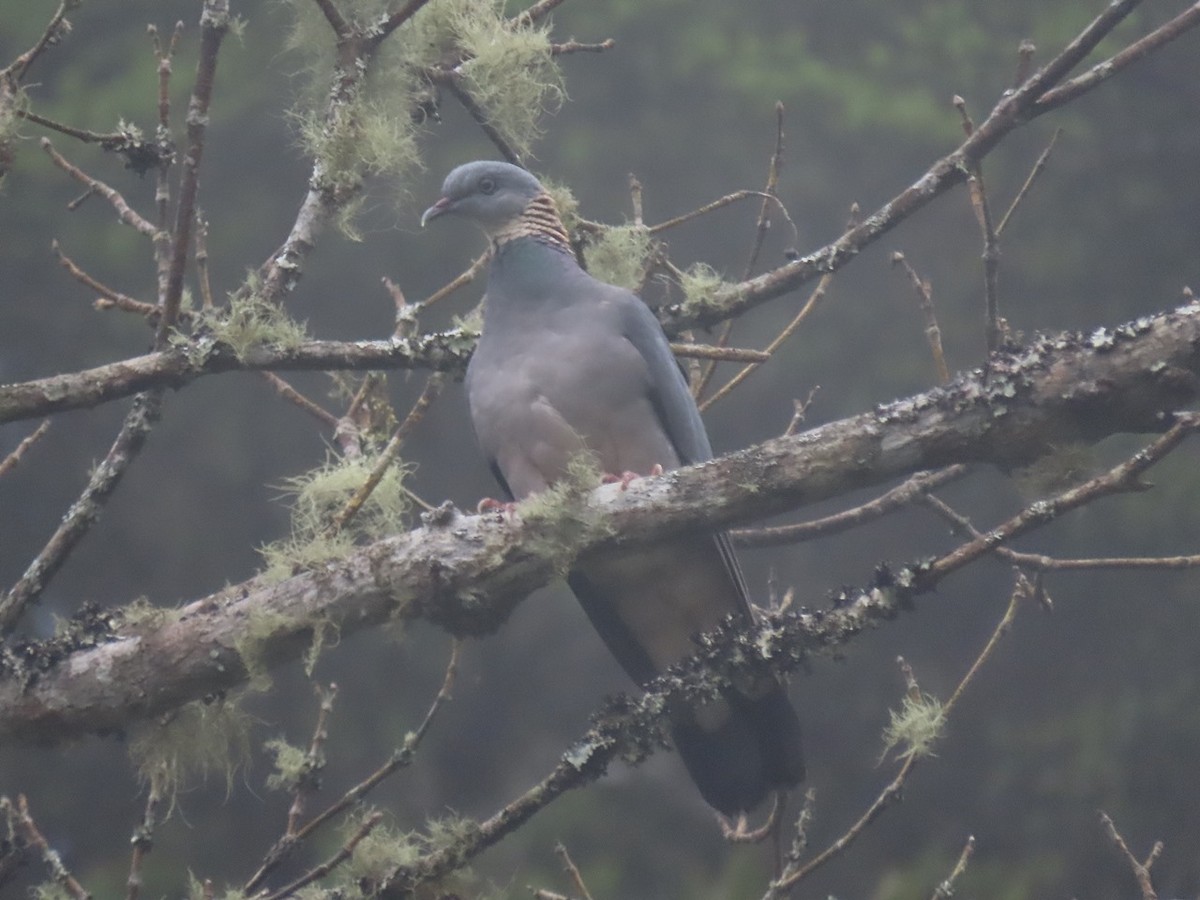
x=567, y=363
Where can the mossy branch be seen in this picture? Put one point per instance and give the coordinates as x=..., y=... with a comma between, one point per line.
x=467, y=573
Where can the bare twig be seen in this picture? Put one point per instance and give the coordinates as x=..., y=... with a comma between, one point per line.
x=125, y=212
x=1136, y=51
x=572, y=870
x=452, y=81
x=799, y=412
x=933, y=334
x=13, y=459
x=723, y=354
x=575, y=47
x=721, y=203
x=84, y=511
x=945, y=890
x=55, y=31
x=1121, y=478
x=794, y=872
x=1039, y=562
x=214, y=23
x=433, y=387
x=143, y=841
x=290, y=394
x=464, y=278
x=1036, y=171
x=344, y=853
x=814, y=300
x=33, y=836
x=1141, y=870
x=536, y=12
x=112, y=296
x=905, y=494
x=399, y=759
x=700, y=385
x=314, y=760
x=993, y=326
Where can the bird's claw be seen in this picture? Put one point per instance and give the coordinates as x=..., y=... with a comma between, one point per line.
x=627, y=478
x=491, y=504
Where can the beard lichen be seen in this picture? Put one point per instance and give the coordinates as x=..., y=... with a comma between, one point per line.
x=318, y=496
x=196, y=740
x=915, y=728
x=619, y=255
x=251, y=321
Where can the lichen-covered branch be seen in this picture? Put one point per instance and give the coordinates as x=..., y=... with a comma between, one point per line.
x=466, y=573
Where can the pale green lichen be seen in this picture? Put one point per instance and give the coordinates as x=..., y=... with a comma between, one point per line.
x=511, y=74
x=250, y=321
x=560, y=516
x=197, y=740
x=292, y=765
x=318, y=496
x=915, y=728
x=354, y=127
x=619, y=256
x=701, y=283
x=50, y=890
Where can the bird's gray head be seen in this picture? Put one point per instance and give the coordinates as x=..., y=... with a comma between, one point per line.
x=492, y=194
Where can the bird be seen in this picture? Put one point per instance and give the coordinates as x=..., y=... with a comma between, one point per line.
x=566, y=364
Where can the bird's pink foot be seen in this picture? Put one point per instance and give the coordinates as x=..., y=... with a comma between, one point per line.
x=627, y=478
x=491, y=504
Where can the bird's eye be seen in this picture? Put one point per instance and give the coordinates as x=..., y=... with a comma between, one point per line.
x=487, y=186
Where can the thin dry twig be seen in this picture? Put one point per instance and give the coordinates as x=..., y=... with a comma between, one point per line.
x=125, y=212
x=1121, y=478
x=13, y=459
x=142, y=841
x=463, y=278
x=314, y=760
x=57, y=28
x=933, y=333
x=571, y=869
x=993, y=326
x=721, y=203
x=145, y=413
x=700, y=385
x=291, y=395
x=387, y=456
x=945, y=890
x=400, y=758
x=794, y=872
x=1034, y=173
x=1039, y=562
x=1141, y=870
x=723, y=354
x=113, y=297
x=452, y=81
x=814, y=300
x=573, y=46
x=344, y=853
x=905, y=494
x=1106, y=69
x=214, y=23
x=34, y=837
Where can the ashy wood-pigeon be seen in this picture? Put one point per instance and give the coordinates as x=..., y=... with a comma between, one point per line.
x=567, y=363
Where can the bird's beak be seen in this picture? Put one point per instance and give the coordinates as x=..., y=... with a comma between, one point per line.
x=442, y=206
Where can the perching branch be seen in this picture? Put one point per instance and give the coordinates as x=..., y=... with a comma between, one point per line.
x=466, y=573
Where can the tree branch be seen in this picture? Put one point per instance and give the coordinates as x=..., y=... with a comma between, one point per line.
x=467, y=573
